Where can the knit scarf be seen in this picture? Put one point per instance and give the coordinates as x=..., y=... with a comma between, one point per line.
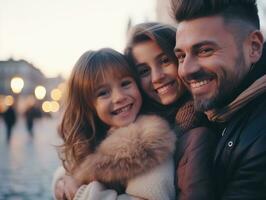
x=253, y=91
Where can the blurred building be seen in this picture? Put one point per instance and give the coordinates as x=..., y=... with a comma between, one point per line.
x=37, y=89
x=31, y=76
x=21, y=68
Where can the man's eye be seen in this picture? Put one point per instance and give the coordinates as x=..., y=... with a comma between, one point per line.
x=205, y=51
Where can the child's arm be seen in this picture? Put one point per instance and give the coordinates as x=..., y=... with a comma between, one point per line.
x=64, y=186
x=57, y=183
x=96, y=190
x=156, y=184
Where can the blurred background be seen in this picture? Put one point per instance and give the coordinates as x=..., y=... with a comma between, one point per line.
x=40, y=40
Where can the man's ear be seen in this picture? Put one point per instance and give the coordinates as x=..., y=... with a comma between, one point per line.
x=256, y=41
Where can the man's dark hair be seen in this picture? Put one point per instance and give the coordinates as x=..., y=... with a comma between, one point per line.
x=240, y=10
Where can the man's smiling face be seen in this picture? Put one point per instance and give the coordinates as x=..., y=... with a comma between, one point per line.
x=211, y=62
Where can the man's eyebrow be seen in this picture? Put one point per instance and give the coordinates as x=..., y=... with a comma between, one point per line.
x=197, y=45
x=205, y=42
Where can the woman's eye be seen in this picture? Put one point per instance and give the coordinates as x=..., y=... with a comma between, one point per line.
x=144, y=71
x=165, y=61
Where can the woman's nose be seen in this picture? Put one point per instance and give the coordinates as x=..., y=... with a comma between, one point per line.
x=157, y=75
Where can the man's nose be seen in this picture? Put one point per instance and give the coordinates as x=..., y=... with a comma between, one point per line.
x=188, y=67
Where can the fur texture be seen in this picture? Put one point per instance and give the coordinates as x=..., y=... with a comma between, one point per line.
x=129, y=151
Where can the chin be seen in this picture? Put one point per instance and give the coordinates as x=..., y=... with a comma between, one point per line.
x=204, y=104
x=168, y=101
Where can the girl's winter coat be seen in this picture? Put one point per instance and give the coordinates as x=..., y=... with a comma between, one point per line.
x=139, y=156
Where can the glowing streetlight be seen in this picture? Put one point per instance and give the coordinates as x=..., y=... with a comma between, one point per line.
x=54, y=106
x=9, y=100
x=56, y=94
x=46, y=106
x=50, y=106
x=40, y=92
x=17, y=84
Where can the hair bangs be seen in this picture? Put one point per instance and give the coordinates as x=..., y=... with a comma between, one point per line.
x=110, y=65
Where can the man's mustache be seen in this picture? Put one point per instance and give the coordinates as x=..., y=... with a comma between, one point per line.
x=199, y=75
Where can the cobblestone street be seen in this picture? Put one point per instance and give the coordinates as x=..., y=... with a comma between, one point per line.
x=27, y=164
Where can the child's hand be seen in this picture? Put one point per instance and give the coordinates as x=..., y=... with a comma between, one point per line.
x=59, y=190
x=71, y=186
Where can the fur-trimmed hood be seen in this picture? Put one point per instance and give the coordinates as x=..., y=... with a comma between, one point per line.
x=129, y=151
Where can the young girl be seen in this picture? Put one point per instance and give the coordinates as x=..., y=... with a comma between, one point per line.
x=107, y=139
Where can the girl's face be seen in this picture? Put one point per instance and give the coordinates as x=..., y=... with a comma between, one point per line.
x=159, y=78
x=117, y=101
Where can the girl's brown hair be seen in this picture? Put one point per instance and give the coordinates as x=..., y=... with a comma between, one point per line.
x=81, y=129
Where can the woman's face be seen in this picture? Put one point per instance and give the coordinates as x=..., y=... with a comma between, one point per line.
x=159, y=77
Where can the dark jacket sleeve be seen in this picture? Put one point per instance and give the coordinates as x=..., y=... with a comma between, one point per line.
x=249, y=181
x=194, y=156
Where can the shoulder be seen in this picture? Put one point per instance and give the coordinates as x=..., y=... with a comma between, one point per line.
x=199, y=136
x=252, y=118
x=151, y=121
x=143, y=125
x=247, y=129
x=188, y=118
x=147, y=129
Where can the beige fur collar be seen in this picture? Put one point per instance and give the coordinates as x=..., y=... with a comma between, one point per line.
x=129, y=151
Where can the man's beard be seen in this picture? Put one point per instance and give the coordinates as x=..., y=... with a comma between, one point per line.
x=225, y=93
x=221, y=97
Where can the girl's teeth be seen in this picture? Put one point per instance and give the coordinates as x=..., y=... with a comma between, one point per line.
x=125, y=109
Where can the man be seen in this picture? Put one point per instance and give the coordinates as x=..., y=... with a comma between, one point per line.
x=221, y=60
x=10, y=119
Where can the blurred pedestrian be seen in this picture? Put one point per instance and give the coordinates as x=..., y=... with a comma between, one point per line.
x=9, y=116
x=32, y=113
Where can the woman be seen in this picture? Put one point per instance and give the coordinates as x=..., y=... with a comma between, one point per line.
x=150, y=46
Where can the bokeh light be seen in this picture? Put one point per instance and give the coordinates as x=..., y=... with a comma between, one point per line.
x=56, y=94
x=17, y=84
x=46, y=106
x=40, y=92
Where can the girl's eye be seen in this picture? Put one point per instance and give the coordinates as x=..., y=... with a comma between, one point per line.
x=143, y=71
x=102, y=93
x=126, y=83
